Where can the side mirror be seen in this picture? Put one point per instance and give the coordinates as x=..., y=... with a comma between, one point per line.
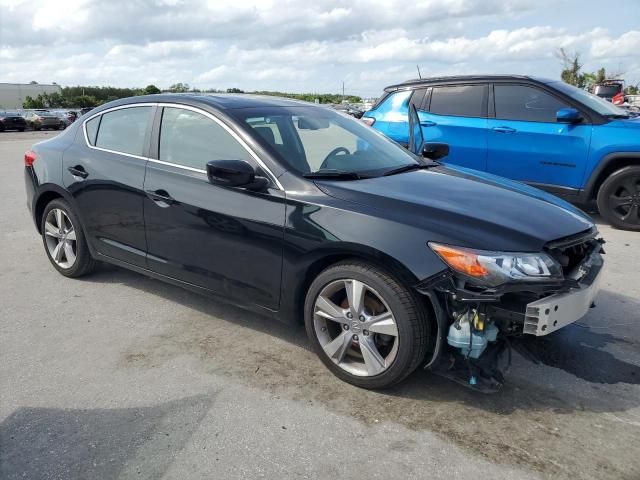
x=234, y=173
x=568, y=115
x=435, y=151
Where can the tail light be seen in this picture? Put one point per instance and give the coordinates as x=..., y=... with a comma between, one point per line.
x=368, y=121
x=29, y=158
x=618, y=99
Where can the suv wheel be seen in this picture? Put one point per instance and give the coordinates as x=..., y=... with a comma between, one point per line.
x=619, y=198
x=367, y=328
x=64, y=240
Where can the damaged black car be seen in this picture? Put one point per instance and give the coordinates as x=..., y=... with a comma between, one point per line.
x=391, y=258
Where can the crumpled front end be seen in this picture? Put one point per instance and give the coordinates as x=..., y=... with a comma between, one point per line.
x=480, y=323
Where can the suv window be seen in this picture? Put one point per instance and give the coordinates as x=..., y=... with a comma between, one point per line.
x=522, y=102
x=124, y=130
x=191, y=139
x=459, y=100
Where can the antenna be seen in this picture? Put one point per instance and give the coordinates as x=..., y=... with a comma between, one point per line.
x=419, y=76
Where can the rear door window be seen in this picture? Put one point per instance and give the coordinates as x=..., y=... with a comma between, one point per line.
x=525, y=103
x=124, y=130
x=459, y=100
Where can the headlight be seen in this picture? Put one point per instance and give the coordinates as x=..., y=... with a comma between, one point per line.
x=495, y=268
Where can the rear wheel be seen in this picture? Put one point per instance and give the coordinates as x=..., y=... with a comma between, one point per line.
x=619, y=198
x=366, y=327
x=64, y=240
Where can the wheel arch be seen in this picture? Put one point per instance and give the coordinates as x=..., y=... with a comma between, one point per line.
x=609, y=164
x=47, y=193
x=320, y=260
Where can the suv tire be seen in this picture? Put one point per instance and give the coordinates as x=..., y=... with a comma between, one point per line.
x=619, y=198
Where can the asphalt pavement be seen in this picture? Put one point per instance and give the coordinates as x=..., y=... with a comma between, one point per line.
x=116, y=375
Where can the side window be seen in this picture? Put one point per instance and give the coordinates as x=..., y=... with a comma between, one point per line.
x=417, y=98
x=459, y=100
x=396, y=106
x=521, y=102
x=191, y=139
x=92, y=129
x=124, y=130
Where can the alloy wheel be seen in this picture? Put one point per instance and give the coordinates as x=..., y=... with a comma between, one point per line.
x=625, y=200
x=355, y=327
x=60, y=237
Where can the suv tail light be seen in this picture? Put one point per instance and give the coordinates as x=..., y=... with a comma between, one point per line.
x=29, y=158
x=368, y=121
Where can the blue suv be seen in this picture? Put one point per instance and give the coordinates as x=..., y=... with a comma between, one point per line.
x=542, y=132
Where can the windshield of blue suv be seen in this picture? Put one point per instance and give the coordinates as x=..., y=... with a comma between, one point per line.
x=594, y=102
x=314, y=140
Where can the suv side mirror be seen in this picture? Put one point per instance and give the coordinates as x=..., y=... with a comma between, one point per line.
x=234, y=173
x=435, y=151
x=568, y=115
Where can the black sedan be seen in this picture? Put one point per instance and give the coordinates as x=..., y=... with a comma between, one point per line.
x=12, y=121
x=392, y=260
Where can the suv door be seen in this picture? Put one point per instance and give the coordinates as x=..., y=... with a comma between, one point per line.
x=104, y=171
x=457, y=115
x=527, y=143
x=226, y=240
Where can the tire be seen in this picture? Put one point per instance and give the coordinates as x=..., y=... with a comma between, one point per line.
x=619, y=198
x=21, y=129
x=401, y=353
x=83, y=263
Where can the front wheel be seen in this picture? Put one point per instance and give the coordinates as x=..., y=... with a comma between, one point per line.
x=64, y=240
x=366, y=327
x=619, y=198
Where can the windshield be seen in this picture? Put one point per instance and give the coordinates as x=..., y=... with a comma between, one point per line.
x=317, y=139
x=592, y=101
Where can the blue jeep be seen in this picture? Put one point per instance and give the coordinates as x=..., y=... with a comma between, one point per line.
x=542, y=132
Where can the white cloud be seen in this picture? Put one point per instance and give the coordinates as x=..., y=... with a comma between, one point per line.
x=289, y=45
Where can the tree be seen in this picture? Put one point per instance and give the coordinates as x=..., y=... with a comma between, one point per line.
x=33, y=82
x=632, y=90
x=151, y=90
x=571, y=67
x=179, y=87
x=234, y=90
x=30, y=102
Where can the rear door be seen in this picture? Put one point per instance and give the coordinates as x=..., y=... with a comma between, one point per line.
x=457, y=115
x=227, y=240
x=527, y=143
x=104, y=170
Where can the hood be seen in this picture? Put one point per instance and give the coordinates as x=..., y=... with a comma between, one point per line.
x=467, y=208
x=631, y=122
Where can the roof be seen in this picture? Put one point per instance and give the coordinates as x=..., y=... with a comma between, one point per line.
x=221, y=101
x=462, y=79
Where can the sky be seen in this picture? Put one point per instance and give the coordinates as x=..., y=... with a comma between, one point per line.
x=308, y=46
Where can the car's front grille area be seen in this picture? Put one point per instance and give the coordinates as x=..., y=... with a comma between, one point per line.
x=571, y=251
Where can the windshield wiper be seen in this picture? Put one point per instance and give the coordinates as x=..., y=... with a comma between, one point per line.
x=407, y=168
x=330, y=173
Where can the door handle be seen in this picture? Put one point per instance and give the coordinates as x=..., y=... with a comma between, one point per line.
x=504, y=129
x=78, y=171
x=428, y=123
x=161, y=196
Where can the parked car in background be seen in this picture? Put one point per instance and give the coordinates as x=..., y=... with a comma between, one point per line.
x=291, y=209
x=85, y=110
x=609, y=89
x=71, y=116
x=40, y=119
x=64, y=119
x=543, y=132
x=348, y=109
x=12, y=121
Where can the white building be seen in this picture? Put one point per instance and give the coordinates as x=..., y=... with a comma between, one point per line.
x=12, y=95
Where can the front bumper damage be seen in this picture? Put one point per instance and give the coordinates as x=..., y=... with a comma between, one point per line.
x=478, y=327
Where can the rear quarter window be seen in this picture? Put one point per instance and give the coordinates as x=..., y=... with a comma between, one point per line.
x=92, y=129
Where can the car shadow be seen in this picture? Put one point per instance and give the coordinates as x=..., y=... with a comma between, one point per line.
x=101, y=444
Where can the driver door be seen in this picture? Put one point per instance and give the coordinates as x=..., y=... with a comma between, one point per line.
x=226, y=240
